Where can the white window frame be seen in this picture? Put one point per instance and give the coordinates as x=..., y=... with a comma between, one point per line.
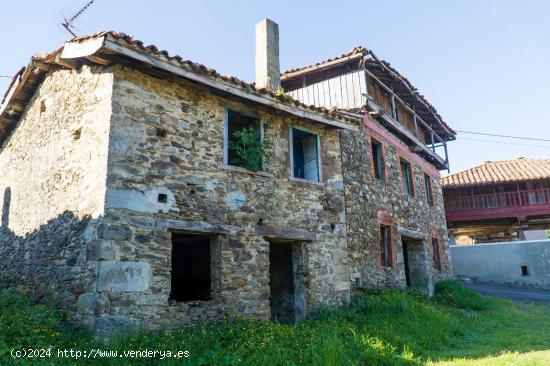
x=291, y=149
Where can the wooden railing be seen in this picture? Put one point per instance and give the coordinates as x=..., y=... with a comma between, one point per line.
x=531, y=197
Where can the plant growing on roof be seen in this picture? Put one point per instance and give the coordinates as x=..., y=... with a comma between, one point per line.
x=283, y=96
x=248, y=89
x=249, y=148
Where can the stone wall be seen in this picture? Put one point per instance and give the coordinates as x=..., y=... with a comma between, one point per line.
x=167, y=138
x=83, y=218
x=56, y=159
x=54, y=169
x=371, y=202
x=501, y=263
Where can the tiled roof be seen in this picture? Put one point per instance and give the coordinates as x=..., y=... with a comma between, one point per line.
x=360, y=50
x=204, y=70
x=520, y=169
x=418, y=94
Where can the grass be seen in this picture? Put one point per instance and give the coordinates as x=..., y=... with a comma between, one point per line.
x=387, y=327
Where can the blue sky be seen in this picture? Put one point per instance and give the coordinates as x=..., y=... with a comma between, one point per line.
x=485, y=65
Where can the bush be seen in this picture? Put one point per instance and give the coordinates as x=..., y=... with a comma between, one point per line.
x=452, y=293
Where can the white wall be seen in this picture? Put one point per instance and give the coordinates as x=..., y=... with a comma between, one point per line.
x=500, y=263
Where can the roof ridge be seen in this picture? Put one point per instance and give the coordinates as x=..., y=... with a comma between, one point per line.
x=520, y=158
x=500, y=171
x=205, y=70
x=355, y=50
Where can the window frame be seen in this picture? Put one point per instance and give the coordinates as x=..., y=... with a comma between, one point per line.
x=436, y=254
x=382, y=160
x=403, y=161
x=385, y=253
x=247, y=113
x=291, y=151
x=428, y=188
x=384, y=219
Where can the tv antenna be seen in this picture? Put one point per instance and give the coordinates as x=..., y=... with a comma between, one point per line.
x=68, y=24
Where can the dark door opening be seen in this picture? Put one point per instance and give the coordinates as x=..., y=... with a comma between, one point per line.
x=281, y=282
x=406, y=262
x=191, y=268
x=416, y=262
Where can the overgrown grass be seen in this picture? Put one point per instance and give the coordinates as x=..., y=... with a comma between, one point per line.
x=388, y=327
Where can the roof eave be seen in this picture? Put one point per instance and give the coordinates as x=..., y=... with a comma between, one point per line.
x=318, y=67
x=106, y=43
x=19, y=93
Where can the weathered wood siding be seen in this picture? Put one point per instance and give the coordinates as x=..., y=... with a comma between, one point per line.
x=347, y=91
x=343, y=91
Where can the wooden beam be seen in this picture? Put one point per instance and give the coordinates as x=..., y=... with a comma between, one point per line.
x=415, y=123
x=283, y=233
x=225, y=86
x=405, y=131
x=10, y=94
x=195, y=226
x=389, y=90
x=393, y=74
x=325, y=65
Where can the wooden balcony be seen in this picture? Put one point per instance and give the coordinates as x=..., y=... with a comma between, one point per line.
x=518, y=204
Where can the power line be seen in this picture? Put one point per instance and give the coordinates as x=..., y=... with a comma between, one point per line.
x=506, y=143
x=507, y=136
x=5, y=76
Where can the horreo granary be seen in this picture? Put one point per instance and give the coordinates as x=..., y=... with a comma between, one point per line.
x=139, y=189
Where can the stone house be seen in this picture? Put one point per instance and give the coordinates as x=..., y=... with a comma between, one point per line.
x=394, y=207
x=125, y=195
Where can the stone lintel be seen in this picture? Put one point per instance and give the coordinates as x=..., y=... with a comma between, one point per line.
x=195, y=226
x=283, y=233
x=411, y=233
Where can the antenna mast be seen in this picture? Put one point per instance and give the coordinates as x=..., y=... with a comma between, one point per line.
x=67, y=24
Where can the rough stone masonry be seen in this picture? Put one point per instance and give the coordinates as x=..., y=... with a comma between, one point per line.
x=109, y=261
x=110, y=166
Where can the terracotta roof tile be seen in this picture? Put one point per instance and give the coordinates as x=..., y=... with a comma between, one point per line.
x=202, y=69
x=418, y=94
x=360, y=50
x=520, y=169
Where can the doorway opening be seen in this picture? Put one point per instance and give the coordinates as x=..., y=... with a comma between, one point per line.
x=415, y=263
x=191, y=278
x=286, y=283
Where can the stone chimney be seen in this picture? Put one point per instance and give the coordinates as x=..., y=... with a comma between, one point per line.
x=268, y=73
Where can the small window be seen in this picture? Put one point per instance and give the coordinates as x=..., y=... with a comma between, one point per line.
x=524, y=270
x=406, y=174
x=305, y=155
x=428, y=187
x=436, y=254
x=243, y=131
x=162, y=198
x=377, y=159
x=191, y=268
x=385, y=246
